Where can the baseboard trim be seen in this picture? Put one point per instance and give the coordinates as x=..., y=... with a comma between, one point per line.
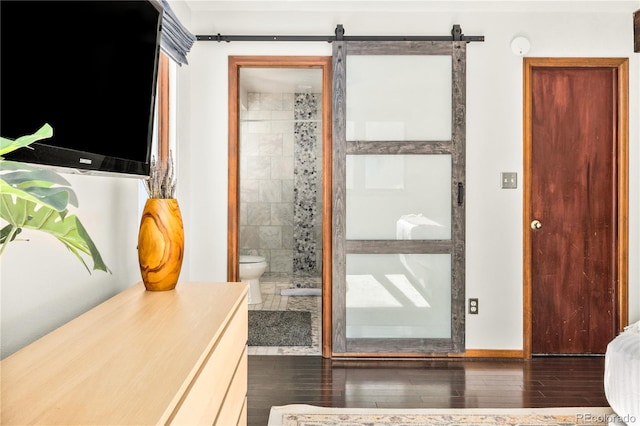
x=493, y=353
x=469, y=353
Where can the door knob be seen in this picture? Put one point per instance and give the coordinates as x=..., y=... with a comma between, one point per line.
x=536, y=224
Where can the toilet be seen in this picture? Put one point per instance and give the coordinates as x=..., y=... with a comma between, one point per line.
x=251, y=269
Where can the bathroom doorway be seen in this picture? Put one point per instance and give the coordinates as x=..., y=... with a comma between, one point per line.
x=279, y=184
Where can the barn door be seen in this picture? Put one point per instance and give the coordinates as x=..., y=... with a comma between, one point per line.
x=398, y=203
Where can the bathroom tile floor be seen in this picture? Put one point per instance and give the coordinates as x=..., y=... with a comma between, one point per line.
x=272, y=301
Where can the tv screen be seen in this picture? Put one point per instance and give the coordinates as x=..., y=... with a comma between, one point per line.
x=89, y=69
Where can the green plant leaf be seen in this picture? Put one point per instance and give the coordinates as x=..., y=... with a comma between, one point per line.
x=37, y=184
x=56, y=198
x=6, y=231
x=37, y=198
x=98, y=263
x=9, y=145
x=14, y=213
x=67, y=229
x=23, y=172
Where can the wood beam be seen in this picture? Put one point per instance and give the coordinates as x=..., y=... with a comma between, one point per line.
x=163, y=108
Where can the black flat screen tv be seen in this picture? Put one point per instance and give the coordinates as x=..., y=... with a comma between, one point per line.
x=89, y=69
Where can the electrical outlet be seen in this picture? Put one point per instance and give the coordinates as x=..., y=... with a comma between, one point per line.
x=473, y=306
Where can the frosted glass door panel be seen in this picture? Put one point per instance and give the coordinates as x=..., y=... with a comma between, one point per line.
x=398, y=296
x=398, y=197
x=398, y=98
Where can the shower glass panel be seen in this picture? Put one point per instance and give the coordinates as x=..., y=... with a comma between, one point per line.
x=398, y=296
x=406, y=99
x=398, y=197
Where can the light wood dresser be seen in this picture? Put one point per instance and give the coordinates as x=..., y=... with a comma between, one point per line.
x=140, y=358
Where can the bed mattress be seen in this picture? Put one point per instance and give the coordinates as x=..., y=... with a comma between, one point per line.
x=622, y=375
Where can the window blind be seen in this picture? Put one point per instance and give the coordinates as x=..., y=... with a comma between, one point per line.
x=176, y=40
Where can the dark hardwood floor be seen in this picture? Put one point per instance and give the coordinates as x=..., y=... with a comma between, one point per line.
x=540, y=382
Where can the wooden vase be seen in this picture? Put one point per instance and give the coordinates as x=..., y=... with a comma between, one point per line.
x=160, y=244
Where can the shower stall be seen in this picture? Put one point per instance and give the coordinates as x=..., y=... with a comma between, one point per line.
x=280, y=170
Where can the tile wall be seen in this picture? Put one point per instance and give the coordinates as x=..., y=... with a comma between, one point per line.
x=281, y=183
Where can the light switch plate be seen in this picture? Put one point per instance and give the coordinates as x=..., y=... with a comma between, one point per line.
x=509, y=180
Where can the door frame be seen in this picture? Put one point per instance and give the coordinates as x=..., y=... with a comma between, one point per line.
x=233, y=212
x=622, y=134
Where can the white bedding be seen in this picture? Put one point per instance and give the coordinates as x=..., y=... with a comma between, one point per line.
x=622, y=375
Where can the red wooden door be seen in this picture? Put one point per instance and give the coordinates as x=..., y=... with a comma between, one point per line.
x=574, y=201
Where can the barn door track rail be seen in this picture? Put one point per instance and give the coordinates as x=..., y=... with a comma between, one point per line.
x=456, y=35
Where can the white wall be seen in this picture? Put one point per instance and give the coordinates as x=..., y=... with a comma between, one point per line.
x=494, y=124
x=45, y=286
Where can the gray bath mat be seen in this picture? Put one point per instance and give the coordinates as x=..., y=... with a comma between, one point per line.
x=279, y=328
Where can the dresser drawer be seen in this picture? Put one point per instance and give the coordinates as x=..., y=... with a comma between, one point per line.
x=209, y=390
x=235, y=400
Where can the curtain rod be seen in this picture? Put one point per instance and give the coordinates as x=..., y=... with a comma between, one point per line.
x=456, y=35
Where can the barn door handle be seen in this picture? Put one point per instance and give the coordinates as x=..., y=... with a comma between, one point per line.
x=536, y=224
